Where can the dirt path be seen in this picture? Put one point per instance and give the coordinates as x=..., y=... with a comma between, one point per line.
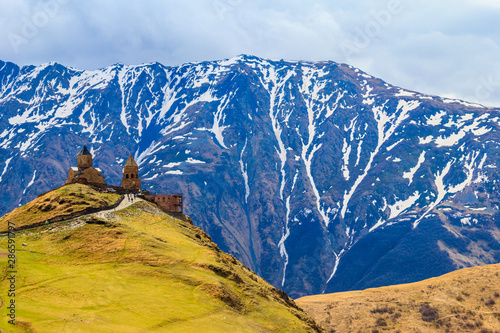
x=124, y=204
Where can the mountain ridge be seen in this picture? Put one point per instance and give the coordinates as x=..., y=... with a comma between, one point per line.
x=299, y=169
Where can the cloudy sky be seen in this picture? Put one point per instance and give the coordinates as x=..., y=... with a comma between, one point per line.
x=448, y=48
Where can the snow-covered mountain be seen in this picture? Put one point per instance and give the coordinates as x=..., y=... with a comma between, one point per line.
x=316, y=175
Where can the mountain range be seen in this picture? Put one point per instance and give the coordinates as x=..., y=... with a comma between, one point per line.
x=316, y=175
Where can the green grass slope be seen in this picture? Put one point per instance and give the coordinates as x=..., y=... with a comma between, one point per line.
x=65, y=200
x=137, y=270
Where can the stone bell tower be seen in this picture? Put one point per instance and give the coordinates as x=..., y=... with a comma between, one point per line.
x=131, y=180
x=84, y=158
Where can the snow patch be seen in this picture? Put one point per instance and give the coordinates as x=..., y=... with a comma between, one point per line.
x=436, y=119
x=244, y=172
x=450, y=141
x=281, y=243
x=383, y=119
x=191, y=160
x=443, y=191
x=394, y=145
x=151, y=178
x=30, y=183
x=172, y=164
x=346, y=150
x=336, y=265
x=174, y=172
x=219, y=118
x=409, y=175
x=152, y=149
x=404, y=93
x=7, y=162
x=401, y=206
x=426, y=140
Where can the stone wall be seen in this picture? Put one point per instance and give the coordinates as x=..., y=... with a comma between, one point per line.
x=172, y=203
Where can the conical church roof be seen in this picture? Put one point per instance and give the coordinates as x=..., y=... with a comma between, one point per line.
x=131, y=162
x=84, y=151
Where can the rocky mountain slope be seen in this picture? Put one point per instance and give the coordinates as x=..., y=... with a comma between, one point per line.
x=467, y=300
x=134, y=270
x=317, y=176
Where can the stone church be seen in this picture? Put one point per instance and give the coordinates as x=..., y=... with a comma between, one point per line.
x=84, y=172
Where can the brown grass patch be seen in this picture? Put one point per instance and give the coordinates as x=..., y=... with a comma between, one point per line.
x=222, y=292
x=461, y=301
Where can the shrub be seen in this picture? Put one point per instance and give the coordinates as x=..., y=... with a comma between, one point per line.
x=489, y=302
x=428, y=312
x=381, y=322
x=396, y=316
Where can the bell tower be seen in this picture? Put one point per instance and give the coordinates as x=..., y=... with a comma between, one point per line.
x=84, y=158
x=131, y=180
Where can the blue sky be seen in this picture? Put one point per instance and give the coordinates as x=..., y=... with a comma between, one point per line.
x=447, y=48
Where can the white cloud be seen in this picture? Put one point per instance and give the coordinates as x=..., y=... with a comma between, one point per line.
x=445, y=48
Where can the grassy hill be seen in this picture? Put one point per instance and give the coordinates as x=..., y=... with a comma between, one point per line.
x=62, y=201
x=467, y=300
x=135, y=270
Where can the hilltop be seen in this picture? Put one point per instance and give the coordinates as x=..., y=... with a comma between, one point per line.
x=466, y=300
x=62, y=202
x=134, y=269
